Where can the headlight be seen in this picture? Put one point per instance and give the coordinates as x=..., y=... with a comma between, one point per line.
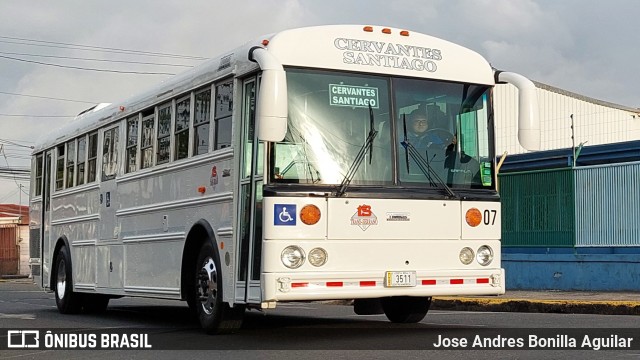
x=317, y=257
x=292, y=257
x=484, y=255
x=466, y=256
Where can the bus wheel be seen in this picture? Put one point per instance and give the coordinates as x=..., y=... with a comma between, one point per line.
x=406, y=309
x=216, y=316
x=67, y=301
x=95, y=303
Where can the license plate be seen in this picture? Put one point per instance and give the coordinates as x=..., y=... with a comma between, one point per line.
x=400, y=279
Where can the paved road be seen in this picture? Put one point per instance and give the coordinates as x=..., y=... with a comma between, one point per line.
x=311, y=330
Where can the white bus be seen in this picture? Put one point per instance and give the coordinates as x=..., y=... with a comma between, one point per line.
x=282, y=171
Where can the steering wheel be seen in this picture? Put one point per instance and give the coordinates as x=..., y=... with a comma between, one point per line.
x=445, y=137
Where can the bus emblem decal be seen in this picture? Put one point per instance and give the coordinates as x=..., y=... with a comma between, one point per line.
x=284, y=214
x=364, y=217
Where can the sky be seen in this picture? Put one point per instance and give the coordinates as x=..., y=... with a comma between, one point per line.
x=584, y=46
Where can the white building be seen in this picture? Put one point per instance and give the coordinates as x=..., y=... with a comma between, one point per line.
x=595, y=121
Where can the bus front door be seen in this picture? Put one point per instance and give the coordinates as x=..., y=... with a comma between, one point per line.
x=249, y=234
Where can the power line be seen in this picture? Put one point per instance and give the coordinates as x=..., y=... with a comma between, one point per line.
x=94, y=59
x=48, y=98
x=88, y=69
x=38, y=116
x=4, y=141
x=95, y=48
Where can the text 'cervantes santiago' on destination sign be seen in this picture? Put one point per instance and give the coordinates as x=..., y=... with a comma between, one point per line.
x=354, y=96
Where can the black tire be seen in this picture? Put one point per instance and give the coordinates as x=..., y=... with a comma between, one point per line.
x=67, y=301
x=215, y=316
x=95, y=303
x=406, y=309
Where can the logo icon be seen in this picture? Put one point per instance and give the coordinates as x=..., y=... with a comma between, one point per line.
x=364, y=217
x=22, y=339
x=284, y=214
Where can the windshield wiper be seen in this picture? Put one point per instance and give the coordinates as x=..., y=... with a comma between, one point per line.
x=423, y=164
x=368, y=145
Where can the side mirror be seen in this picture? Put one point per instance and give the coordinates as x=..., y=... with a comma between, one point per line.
x=271, y=106
x=272, y=109
x=528, y=120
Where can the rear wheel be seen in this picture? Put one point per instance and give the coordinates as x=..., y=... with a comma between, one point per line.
x=406, y=309
x=67, y=301
x=215, y=316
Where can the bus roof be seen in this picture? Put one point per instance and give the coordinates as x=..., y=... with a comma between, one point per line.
x=356, y=48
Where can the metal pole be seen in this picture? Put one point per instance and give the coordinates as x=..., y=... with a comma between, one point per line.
x=573, y=142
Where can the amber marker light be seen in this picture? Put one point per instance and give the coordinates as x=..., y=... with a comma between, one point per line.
x=265, y=42
x=202, y=189
x=404, y=33
x=386, y=31
x=368, y=28
x=473, y=217
x=310, y=214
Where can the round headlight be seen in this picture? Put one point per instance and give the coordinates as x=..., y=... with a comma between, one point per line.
x=317, y=257
x=292, y=257
x=466, y=256
x=484, y=255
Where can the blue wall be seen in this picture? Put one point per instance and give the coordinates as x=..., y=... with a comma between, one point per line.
x=586, y=269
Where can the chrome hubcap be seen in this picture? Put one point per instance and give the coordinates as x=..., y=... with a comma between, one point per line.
x=208, y=285
x=61, y=283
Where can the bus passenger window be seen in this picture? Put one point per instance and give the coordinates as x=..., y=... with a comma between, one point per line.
x=146, y=145
x=93, y=156
x=60, y=168
x=110, y=154
x=132, y=144
x=181, y=140
x=71, y=160
x=201, y=120
x=38, y=184
x=82, y=158
x=224, y=109
x=164, y=132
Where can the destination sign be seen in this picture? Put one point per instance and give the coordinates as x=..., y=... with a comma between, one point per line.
x=353, y=96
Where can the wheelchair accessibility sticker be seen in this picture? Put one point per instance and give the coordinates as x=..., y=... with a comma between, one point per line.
x=284, y=214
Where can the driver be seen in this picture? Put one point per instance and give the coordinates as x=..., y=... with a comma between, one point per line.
x=418, y=126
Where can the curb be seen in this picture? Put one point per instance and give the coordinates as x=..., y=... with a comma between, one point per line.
x=538, y=306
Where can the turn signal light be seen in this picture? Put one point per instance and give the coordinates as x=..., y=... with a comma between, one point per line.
x=473, y=217
x=310, y=214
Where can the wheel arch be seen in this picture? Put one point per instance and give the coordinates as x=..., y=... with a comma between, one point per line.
x=62, y=241
x=200, y=232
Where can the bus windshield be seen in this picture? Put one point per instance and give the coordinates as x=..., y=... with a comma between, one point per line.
x=435, y=132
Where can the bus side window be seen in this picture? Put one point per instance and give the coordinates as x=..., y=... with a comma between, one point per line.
x=201, y=122
x=164, y=134
x=93, y=156
x=132, y=144
x=82, y=157
x=146, y=144
x=60, y=168
x=224, y=110
x=110, y=154
x=181, y=135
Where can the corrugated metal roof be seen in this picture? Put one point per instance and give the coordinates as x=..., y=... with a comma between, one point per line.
x=621, y=152
x=584, y=98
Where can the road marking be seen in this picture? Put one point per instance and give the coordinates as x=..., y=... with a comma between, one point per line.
x=18, y=316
